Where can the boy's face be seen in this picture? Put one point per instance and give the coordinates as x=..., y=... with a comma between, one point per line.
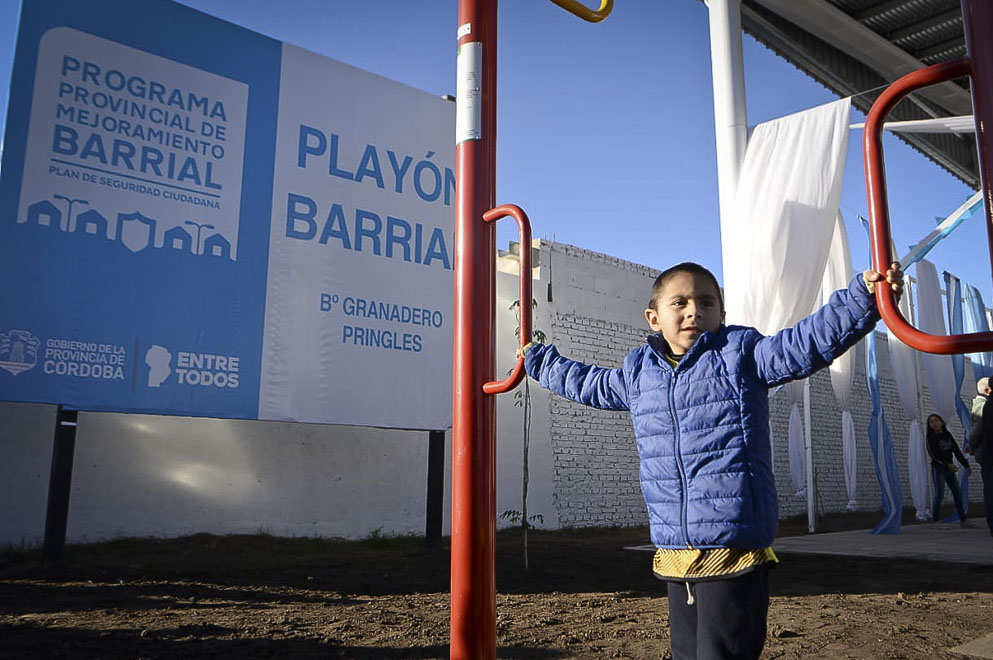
x=687, y=306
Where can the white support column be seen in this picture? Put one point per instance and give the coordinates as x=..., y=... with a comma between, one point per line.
x=730, y=116
x=808, y=446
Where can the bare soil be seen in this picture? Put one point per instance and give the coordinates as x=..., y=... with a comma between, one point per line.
x=582, y=596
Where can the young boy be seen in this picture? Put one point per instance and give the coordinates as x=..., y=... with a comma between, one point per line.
x=697, y=393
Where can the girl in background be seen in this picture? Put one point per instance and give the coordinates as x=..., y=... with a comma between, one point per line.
x=940, y=447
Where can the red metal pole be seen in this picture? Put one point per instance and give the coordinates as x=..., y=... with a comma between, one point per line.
x=977, y=22
x=473, y=615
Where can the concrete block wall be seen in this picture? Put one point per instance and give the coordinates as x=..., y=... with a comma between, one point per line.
x=147, y=475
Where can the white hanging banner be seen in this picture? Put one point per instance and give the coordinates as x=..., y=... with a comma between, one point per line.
x=784, y=217
x=903, y=366
x=836, y=275
x=850, y=458
x=917, y=462
x=931, y=319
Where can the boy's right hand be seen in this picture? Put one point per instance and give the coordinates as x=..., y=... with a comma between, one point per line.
x=523, y=349
x=893, y=276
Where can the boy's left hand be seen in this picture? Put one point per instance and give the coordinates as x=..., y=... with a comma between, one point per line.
x=894, y=276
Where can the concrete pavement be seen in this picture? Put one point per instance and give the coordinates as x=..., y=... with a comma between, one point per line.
x=935, y=541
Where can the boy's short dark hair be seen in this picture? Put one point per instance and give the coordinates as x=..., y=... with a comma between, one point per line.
x=685, y=267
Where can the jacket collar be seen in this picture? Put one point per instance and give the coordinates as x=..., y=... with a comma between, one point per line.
x=658, y=344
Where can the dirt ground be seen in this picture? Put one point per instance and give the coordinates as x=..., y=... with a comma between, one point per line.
x=583, y=596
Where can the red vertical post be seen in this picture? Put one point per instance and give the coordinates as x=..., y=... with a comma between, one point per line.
x=473, y=614
x=977, y=23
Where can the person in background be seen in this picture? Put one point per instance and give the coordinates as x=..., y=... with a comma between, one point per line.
x=940, y=447
x=976, y=414
x=980, y=444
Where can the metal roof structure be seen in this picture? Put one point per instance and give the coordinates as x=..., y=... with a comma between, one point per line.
x=856, y=47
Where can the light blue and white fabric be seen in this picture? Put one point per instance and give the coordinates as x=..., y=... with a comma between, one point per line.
x=882, y=448
x=836, y=273
x=953, y=296
x=944, y=228
x=903, y=366
x=974, y=320
x=882, y=444
x=938, y=369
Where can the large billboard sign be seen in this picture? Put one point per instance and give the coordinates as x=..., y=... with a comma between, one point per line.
x=199, y=220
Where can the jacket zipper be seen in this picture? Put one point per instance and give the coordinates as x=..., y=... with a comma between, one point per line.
x=679, y=461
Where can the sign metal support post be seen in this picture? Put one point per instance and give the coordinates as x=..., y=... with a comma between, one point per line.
x=59, y=484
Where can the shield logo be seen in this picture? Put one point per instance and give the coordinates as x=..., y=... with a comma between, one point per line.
x=18, y=351
x=135, y=231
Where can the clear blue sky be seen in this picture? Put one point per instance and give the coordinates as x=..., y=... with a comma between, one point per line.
x=605, y=132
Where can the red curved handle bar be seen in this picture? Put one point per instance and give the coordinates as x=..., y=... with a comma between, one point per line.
x=524, y=293
x=879, y=220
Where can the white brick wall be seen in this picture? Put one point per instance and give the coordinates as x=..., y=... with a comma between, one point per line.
x=595, y=458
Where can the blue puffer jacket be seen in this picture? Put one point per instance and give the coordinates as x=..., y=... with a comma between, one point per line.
x=702, y=427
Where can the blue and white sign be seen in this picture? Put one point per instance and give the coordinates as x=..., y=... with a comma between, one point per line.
x=199, y=220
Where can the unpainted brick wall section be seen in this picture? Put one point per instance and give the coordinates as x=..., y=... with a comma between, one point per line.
x=595, y=457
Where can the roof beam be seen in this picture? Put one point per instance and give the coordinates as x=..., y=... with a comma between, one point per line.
x=831, y=25
x=875, y=11
x=955, y=47
x=946, y=17
x=881, y=9
x=810, y=63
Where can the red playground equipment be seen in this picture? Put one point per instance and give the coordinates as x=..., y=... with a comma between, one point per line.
x=473, y=582
x=473, y=617
x=977, y=19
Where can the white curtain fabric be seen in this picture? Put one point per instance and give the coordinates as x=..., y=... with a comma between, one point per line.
x=798, y=459
x=931, y=319
x=837, y=272
x=917, y=466
x=776, y=239
x=850, y=457
x=903, y=364
x=775, y=242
